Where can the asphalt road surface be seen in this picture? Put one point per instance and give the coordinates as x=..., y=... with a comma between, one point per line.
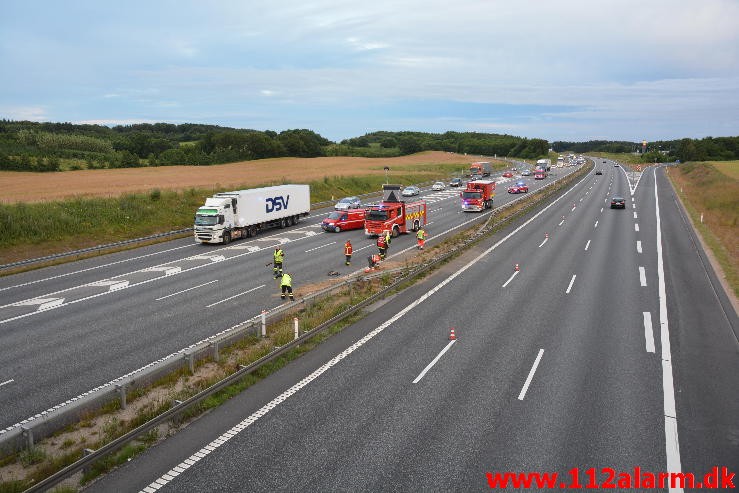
x=67, y=329
x=612, y=347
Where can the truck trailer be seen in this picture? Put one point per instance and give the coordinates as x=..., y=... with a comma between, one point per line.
x=393, y=214
x=227, y=216
x=478, y=195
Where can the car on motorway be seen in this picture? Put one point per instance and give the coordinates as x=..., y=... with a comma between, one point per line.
x=439, y=185
x=604, y=161
x=598, y=172
x=615, y=165
x=348, y=203
x=455, y=182
x=618, y=202
x=519, y=187
x=339, y=221
x=526, y=172
x=507, y=174
x=410, y=191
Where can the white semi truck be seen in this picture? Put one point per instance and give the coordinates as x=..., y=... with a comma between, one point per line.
x=227, y=216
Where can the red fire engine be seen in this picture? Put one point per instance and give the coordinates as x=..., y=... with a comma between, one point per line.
x=393, y=214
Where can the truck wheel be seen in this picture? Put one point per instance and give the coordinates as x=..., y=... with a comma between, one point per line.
x=226, y=238
x=337, y=229
x=295, y=220
x=283, y=223
x=396, y=232
x=415, y=226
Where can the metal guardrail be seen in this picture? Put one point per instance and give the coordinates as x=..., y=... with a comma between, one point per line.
x=23, y=433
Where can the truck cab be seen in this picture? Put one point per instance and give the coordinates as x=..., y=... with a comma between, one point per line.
x=478, y=195
x=216, y=219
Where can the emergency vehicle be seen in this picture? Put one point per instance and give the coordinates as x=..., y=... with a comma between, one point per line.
x=393, y=214
x=478, y=195
x=339, y=221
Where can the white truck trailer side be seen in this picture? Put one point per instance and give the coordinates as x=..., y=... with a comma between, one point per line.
x=230, y=215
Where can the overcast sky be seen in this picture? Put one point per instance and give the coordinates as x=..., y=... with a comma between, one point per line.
x=553, y=69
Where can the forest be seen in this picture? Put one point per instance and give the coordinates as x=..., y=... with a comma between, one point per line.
x=48, y=146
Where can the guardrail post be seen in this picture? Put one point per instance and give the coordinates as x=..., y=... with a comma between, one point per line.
x=122, y=394
x=28, y=434
x=264, y=323
x=351, y=290
x=216, y=355
x=85, y=453
x=295, y=327
x=190, y=360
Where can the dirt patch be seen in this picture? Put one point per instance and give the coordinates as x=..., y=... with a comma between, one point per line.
x=40, y=187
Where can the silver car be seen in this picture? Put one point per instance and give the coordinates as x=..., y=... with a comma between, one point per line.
x=348, y=203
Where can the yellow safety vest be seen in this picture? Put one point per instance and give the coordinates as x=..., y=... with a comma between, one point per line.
x=278, y=256
x=287, y=280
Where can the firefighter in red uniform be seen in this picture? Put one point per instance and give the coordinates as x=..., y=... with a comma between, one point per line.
x=348, y=251
x=382, y=246
x=373, y=261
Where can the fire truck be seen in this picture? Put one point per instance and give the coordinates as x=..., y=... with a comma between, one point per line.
x=393, y=214
x=478, y=195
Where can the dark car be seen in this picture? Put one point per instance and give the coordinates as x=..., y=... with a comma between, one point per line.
x=618, y=203
x=455, y=182
x=598, y=172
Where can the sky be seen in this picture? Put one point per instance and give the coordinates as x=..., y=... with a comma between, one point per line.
x=572, y=70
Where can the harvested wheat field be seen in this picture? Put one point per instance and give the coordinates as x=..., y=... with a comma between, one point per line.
x=38, y=187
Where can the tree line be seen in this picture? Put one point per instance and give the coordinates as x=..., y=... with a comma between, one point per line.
x=33, y=146
x=706, y=149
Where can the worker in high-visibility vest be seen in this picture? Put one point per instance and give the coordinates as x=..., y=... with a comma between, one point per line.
x=287, y=286
x=277, y=262
x=348, y=251
x=421, y=237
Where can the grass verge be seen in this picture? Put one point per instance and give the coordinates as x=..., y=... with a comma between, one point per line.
x=711, y=197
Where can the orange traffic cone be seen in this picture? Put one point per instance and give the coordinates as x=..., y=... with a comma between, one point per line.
x=546, y=235
x=452, y=335
x=516, y=267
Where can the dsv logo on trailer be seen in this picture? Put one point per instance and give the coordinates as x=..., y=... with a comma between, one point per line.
x=276, y=203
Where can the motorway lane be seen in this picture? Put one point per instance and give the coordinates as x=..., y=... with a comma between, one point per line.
x=363, y=426
x=129, y=328
x=705, y=351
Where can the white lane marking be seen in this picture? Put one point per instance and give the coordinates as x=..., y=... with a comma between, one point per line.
x=601, y=210
x=587, y=245
x=319, y=247
x=581, y=198
x=93, y=268
x=6, y=382
x=633, y=206
x=433, y=362
x=292, y=390
x=561, y=222
x=542, y=243
x=638, y=246
x=510, y=279
x=635, y=215
x=596, y=224
x=636, y=226
x=234, y=296
x=642, y=276
x=648, y=332
x=186, y=290
x=573, y=207
x=531, y=375
x=569, y=288
x=362, y=248
x=672, y=442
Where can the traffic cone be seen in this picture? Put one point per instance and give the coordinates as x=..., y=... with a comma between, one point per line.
x=452, y=335
x=546, y=235
x=516, y=269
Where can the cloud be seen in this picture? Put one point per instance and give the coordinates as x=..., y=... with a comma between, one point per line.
x=26, y=113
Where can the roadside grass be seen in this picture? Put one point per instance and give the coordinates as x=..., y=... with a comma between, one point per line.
x=713, y=192
x=99, y=428
x=729, y=168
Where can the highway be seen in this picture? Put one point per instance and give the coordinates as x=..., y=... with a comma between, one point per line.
x=612, y=347
x=68, y=329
